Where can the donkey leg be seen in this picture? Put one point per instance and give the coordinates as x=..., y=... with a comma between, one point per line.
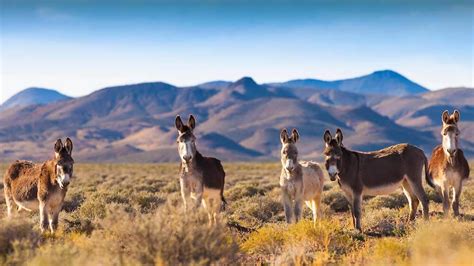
x=445, y=197
x=419, y=192
x=287, y=207
x=184, y=194
x=412, y=199
x=298, y=209
x=198, y=201
x=350, y=198
x=456, y=195
x=319, y=210
x=357, y=211
x=312, y=205
x=43, y=216
x=207, y=205
x=8, y=200
x=53, y=221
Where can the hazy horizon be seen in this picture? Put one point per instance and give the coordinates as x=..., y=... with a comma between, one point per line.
x=78, y=47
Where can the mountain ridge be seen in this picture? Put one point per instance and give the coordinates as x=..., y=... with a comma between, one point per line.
x=237, y=120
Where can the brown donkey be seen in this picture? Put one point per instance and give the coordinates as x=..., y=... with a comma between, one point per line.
x=40, y=186
x=201, y=178
x=376, y=173
x=448, y=166
x=299, y=180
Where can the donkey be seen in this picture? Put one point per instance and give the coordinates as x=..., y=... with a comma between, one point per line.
x=201, y=178
x=40, y=186
x=299, y=180
x=377, y=173
x=448, y=166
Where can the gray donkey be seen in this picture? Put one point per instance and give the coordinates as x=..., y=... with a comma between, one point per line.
x=299, y=180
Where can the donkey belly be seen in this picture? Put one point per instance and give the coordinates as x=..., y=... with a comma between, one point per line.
x=312, y=185
x=451, y=178
x=382, y=189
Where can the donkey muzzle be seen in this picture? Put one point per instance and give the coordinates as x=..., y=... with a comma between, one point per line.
x=187, y=158
x=333, y=172
x=452, y=152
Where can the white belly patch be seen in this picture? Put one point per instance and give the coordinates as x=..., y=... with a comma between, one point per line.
x=381, y=190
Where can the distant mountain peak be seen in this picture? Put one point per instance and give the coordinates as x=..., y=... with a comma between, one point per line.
x=246, y=82
x=382, y=82
x=33, y=96
x=387, y=73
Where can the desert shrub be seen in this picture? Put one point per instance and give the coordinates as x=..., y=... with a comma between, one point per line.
x=384, y=251
x=266, y=240
x=67, y=252
x=17, y=235
x=244, y=190
x=74, y=222
x=384, y=222
x=170, y=187
x=328, y=186
x=73, y=201
x=166, y=237
x=389, y=251
x=446, y=242
x=433, y=195
x=393, y=201
x=336, y=201
x=300, y=243
x=93, y=207
x=115, y=197
x=467, y=199
x=147, y=202
x=255, y=211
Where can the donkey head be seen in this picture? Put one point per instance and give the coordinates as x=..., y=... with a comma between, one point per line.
x=333, y=153
x=450, y=133
x=63, y=162
x=186, y=139
x=289, y=152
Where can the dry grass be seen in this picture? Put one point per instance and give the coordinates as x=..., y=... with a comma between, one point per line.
x=131, y=214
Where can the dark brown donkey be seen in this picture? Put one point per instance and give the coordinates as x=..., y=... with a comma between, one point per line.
x=448, y=166
x=376, y=173
x=40, y=186
x=201, y=178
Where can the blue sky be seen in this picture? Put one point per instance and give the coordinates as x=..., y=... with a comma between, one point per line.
x=80, y=46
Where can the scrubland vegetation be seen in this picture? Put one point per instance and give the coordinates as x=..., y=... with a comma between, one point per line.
x=131, y=214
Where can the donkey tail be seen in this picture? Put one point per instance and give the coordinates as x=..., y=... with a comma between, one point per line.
x=223, y=202
x=428, y=177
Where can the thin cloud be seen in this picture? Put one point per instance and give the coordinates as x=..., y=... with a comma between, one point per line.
x=52, y=14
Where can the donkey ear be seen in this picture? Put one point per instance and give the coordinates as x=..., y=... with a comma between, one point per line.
x=191, y=122
x=327, y=136
x=179, y=123
x=295, y=135
x=339, y=136
x=284, y=136
x=445, y=116
x=69, y=146
x=456, y=116
x=58, y=146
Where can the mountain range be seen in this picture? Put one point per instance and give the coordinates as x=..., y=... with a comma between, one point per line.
x=237, y=120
